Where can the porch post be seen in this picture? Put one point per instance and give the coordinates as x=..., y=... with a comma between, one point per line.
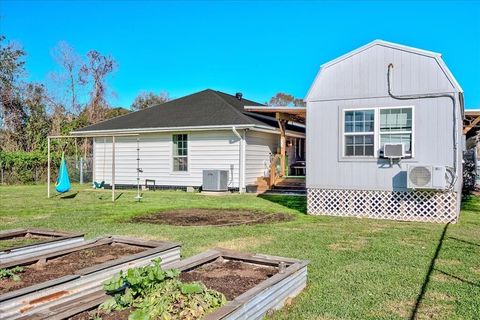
x=283, y=143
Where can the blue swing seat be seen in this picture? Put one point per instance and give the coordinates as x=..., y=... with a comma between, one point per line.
x=63, y=181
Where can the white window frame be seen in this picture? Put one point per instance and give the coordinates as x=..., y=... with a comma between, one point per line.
x=172, y=154
x=412, y=132
x=344, y=134
x=376, y=133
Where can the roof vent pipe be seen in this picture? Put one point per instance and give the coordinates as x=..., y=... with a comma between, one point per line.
x=239, y=95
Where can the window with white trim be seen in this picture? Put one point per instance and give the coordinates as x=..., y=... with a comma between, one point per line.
x=365, y=131
x=180, y=152
x=359, y=133
x=396, y=127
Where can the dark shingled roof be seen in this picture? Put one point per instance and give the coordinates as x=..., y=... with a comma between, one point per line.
x=204, y=108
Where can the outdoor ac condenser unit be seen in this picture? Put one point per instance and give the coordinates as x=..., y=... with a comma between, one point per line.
x=426, y=177
x=215, y=180
x=394, y=150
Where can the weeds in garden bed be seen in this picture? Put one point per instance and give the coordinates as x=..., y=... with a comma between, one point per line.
x=11, y=273
x=153, y=293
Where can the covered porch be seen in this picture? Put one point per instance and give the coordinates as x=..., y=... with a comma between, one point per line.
x=288, y=165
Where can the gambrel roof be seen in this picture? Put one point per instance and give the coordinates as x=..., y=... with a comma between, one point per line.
x=436, y=56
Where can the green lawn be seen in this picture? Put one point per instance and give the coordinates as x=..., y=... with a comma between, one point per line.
x=360, y=268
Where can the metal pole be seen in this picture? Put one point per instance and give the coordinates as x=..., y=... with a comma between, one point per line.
x=113, y=168
x=81, y=170
x=48, y=167
x=138, y=197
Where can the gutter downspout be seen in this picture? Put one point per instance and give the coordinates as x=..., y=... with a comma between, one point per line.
x=241, y=160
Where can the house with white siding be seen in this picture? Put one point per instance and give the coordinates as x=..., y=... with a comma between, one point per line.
x=178, y=140
x=384, y=136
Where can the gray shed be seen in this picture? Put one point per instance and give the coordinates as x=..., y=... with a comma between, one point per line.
x=384, y=136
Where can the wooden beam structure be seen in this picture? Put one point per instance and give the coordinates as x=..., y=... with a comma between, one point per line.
x=472, y=119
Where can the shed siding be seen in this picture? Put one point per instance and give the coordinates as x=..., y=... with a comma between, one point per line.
x=206, y=150
x=360, y=81
x=351, y=186
x=259, y=149
x=364, y=75
x=433, y=144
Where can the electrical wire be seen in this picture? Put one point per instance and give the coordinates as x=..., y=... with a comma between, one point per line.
x=432, y=96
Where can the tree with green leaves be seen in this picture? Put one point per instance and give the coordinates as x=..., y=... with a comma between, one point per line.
x=12, y=114
x=285, y=99
x=38, y=123
x=148, y=99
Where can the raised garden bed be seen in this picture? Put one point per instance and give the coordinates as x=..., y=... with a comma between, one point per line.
x=21, y=243
x=72, y=272
x=253, y=285
x=211, y=217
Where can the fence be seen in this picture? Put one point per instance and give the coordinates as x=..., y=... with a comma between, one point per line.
x=25, y=171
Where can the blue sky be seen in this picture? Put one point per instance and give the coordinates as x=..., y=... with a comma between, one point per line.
x=258, y=48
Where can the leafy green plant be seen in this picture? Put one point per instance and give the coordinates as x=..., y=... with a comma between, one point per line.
x=159, y=294
x=11, y=273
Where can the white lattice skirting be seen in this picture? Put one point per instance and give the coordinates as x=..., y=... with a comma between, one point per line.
x=427, y=206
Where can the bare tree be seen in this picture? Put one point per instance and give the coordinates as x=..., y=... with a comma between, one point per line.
x=148, y=99
x=94, y=73
x=71, y=62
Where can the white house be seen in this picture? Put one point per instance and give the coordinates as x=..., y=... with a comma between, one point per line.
x=384, y=136
x=179, y=139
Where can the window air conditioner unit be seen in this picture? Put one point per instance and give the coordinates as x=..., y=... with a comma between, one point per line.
x=426, y=177
x=394, y=150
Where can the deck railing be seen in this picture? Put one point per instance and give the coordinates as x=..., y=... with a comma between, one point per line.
x=274, y=169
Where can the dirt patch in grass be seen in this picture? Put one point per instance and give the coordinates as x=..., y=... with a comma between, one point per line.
x=443, y=278
x=432, y=307
x=232, y=278
x=67, y=264
x=350, y=245
x=449, y=262
x=211, y=217
x=241, y=243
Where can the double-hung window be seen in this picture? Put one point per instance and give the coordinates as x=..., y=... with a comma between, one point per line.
x=396, y=127
x=365, y=131
x=180, y=152
x=359, y=133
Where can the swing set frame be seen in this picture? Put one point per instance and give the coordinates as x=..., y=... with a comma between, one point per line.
x=113, y=136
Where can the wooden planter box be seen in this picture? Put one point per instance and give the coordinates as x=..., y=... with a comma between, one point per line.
x=48, y=240
x=270, y=294
x=38, y=298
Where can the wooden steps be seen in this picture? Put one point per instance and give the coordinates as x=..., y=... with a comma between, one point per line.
x=284, y=185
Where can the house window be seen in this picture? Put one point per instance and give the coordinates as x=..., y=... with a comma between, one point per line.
x=180, y=152
x=396, y=127
x=359, y=133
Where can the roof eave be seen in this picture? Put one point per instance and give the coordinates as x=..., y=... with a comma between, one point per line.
x=168, y=129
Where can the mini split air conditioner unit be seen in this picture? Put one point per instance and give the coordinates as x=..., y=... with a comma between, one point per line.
x=426, y=177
